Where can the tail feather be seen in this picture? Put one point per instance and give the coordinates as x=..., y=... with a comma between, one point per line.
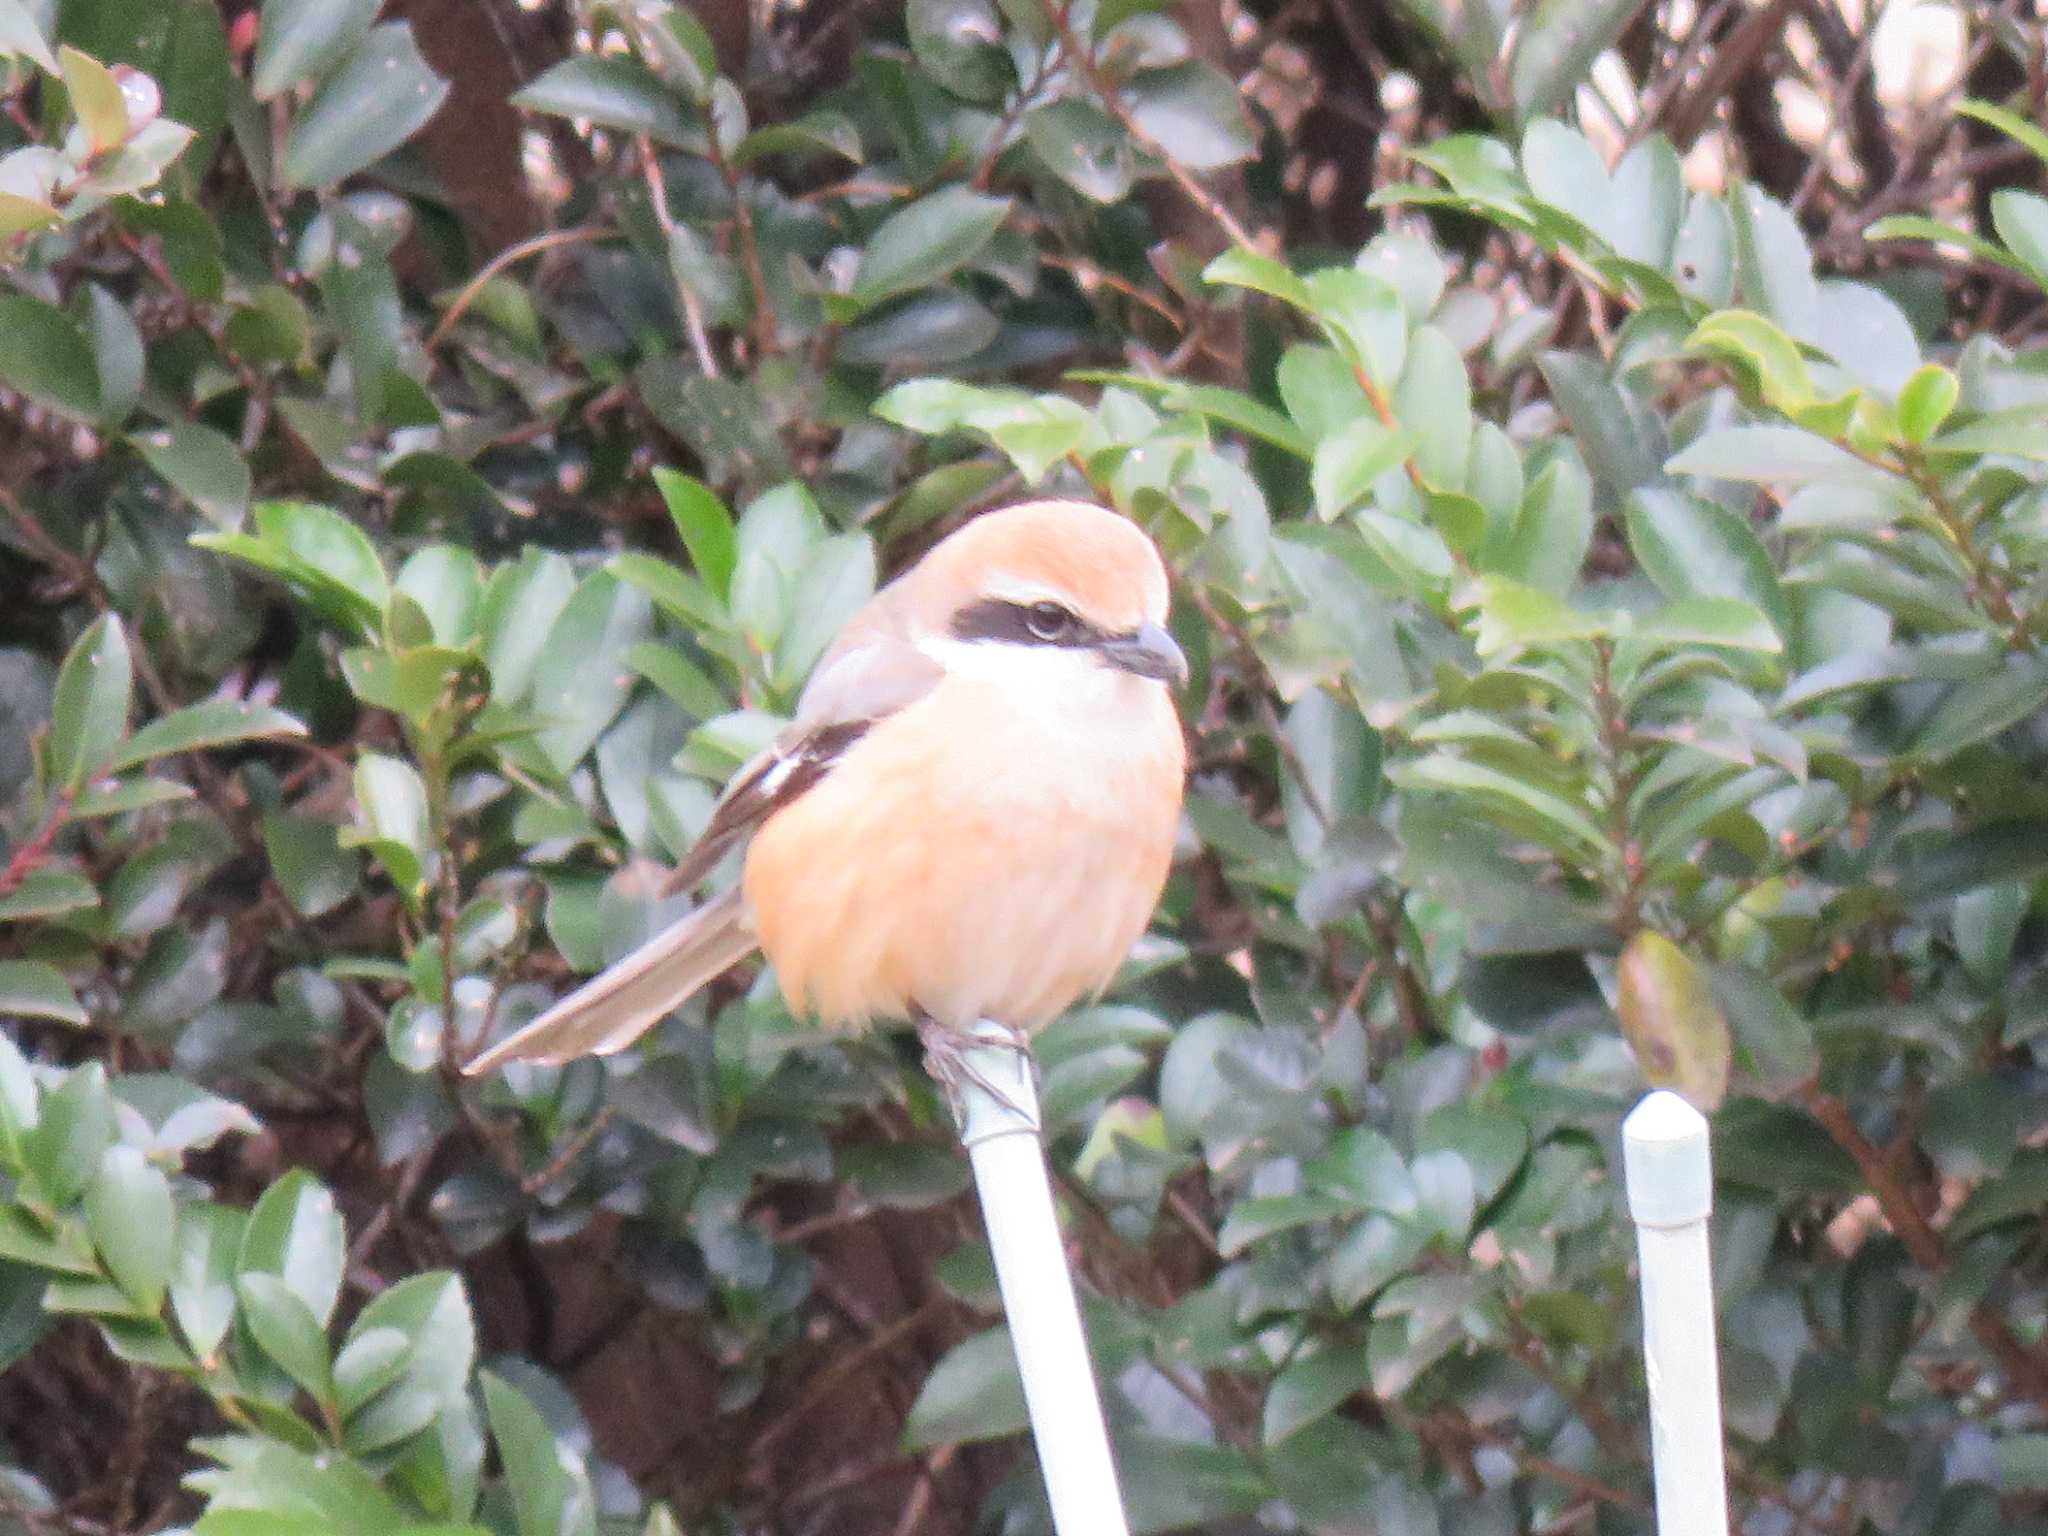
x=619, y=1005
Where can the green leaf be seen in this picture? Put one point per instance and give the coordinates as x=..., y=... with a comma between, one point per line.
x=203, y=466
x=391, y=799
x=1668, y=1012
x=1349, y=460
x=21, y=38
x=1365, y=318
x=1241, y=268
x=1776, y=1041
x=1082, y=145
x=1774, y=455
x=705, y=526
x=96, y=100
x=610, y=91
x=326, y=559
x=117, y=797
x=1312, y=1386
x=1773, y=268
x=533, y=1465
x=381, y=96
x=1981, y=708
x=1567, y=825
x=73, y=1130
x=1194, y=113
x=295, y=1233
x=445, y=580
x=32, y=989
x=836, y=579
x=1710, y=621
x=1621, y=447
x=1491, y=1144
x=1547, y=546
x=288, y=1332
x=1556, y=43
x=1694, y=548
x=298, y=40
x=959, y=44
x=210, y=723
x=926, y=241
x=1916, y=226
x=202, y=1279
x=1774, y=360
x=118, y=354
x=133, y=1222
x=973, y=1393
x=824, y=131
x=1512, y=616
x=48, y=893
x=45, y=355
x=89, y=712
x=2021, y=219
x=306, y=855
x=581, y=680
x=17, y=1100
x=1378, y=1251
x=2009, y=123
x=520, y=605
x=1925, y=401
x=1566, y=171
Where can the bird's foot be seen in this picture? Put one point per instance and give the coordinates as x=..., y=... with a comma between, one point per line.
x=948, y=1054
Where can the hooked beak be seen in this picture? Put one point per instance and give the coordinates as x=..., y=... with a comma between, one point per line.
x=1148, y=651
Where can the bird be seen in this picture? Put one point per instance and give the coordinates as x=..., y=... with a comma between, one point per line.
x=970, y=817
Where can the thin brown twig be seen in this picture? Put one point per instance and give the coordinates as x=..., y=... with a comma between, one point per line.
x=1902, y=1212
x=548, y=240
x=762, y=323
x=1058, y=12
x=693, y=307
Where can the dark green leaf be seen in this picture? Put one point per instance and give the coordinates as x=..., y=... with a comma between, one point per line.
x=45, y=355
x=210, y=723
x=381, y=96
x=973, y=1393
x=611, y=91
x=89, y=713
x=298, y=40
x=1312, y=1386
x=1194, y=113
x=35, y=990
x=926, y=241
x=288, y=1332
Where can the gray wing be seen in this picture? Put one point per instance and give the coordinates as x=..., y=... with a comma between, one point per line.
x=872, y=673
x=866, y=677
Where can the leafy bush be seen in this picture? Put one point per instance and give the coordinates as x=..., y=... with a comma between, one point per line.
x=1626, y=671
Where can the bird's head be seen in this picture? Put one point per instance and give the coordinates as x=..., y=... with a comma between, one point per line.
x=1051, y=584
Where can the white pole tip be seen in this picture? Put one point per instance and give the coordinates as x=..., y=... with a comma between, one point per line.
x=1669, y=1163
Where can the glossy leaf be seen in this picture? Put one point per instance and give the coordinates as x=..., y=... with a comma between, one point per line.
x=381, y=96
x=1667, y=1009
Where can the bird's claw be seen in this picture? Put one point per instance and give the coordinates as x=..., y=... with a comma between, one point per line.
x=948, y=1059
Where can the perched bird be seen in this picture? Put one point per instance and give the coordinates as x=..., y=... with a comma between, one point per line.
x=970, y=817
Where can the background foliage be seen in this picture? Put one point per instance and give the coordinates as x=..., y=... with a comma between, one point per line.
x=1601, y=445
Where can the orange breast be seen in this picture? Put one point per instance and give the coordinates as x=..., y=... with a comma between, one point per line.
x=965, y=862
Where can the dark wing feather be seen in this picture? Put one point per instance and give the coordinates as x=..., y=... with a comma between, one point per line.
x=864, y=678
x=764, y=787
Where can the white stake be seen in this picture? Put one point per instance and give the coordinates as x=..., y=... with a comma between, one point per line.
x=1038, y=1293
x=1670, y=1195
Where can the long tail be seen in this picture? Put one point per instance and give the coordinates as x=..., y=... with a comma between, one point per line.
x=617, y=1006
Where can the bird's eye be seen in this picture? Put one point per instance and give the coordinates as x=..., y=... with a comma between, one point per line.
x=1048, y=621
